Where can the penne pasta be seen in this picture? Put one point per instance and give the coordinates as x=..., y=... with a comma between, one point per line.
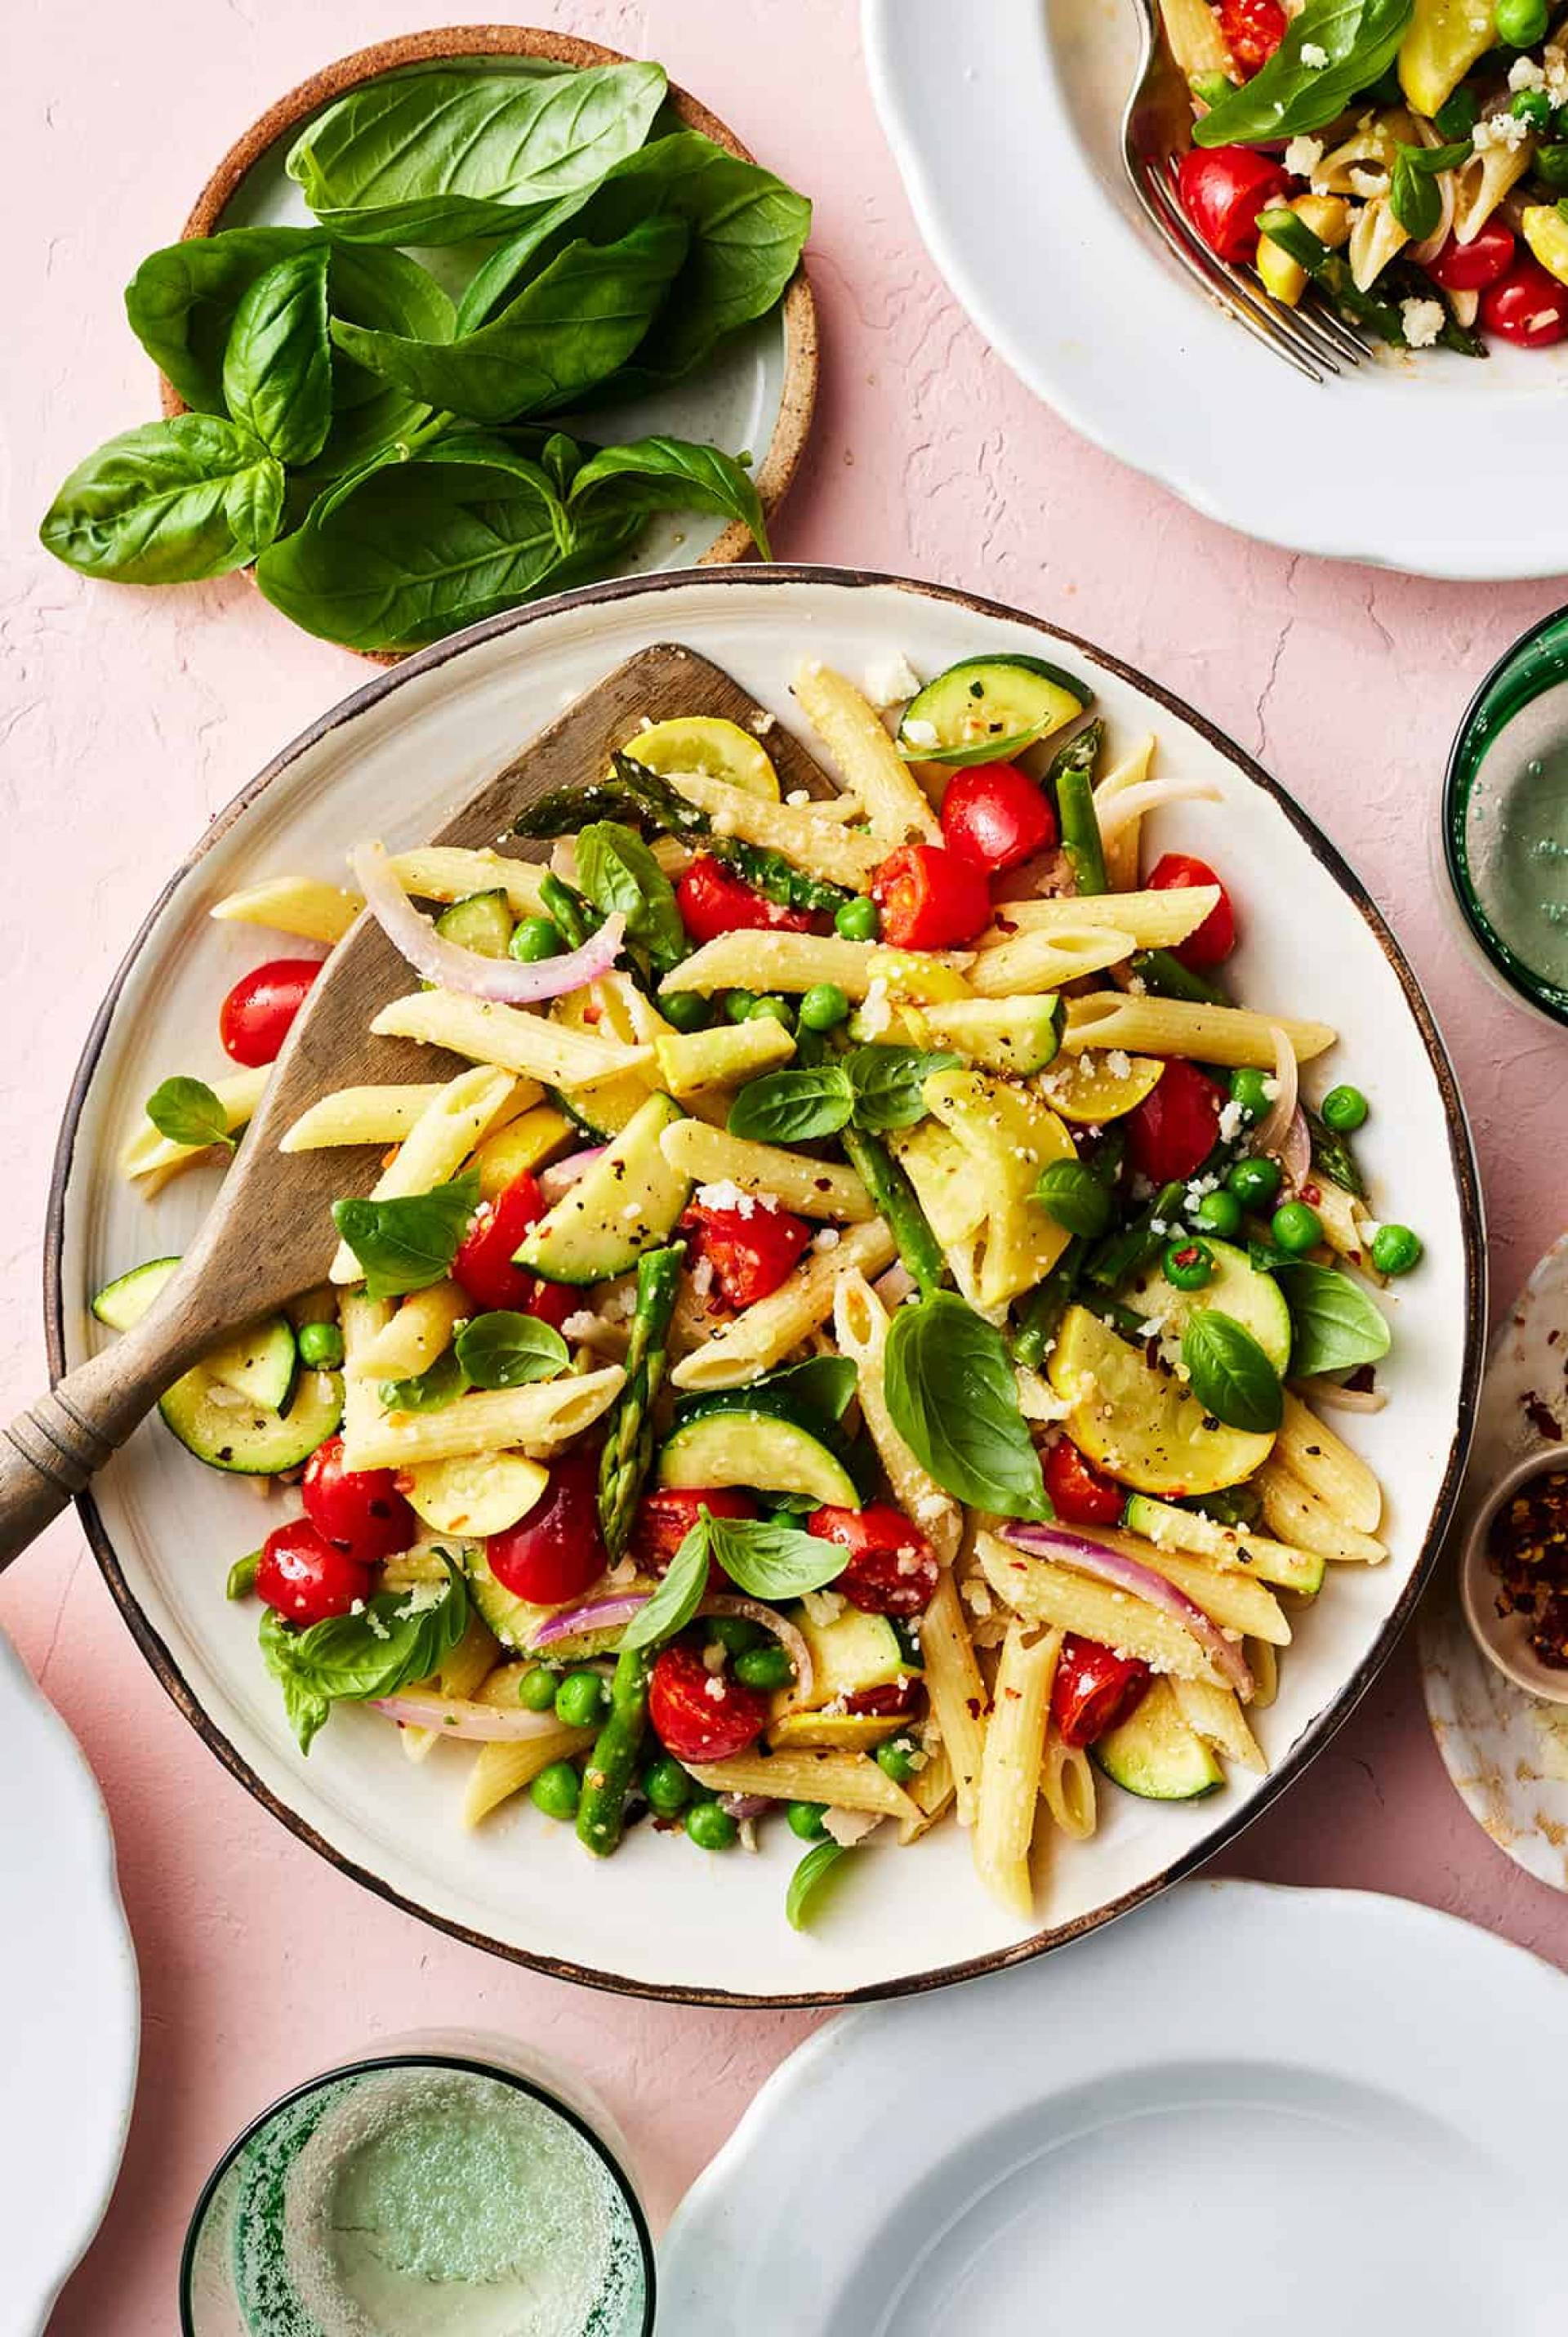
x=419, y=1332
x=1238, y=1603
x=508, y=1038
x=841, y=1781
x=1170, y=1528
x=1010, y=1770
x=860, y=1331
x=1346, y=1221
x=1215, y=1715
x=360, y=1116
x=1150, y=920
x=149, y=1154
x=1296, y=1513
x=436, y=1146
x=304, y=906
x=1326, y=1465
x=1044, y=1592
x=500, y=1771
x=1120, y=849
x=791, y=962
x=444, y=872
x=535, y=1419
x=767, y=1333
x=1172, y=1026
x=931, y=1790
x=1067, y=1787
x=960, y=1702
x=460, y=1675
x=1196, y=41
x=812, y=1188
x=1046, y=959
x=1481, y=184
x=864, y=756
x=823, y=847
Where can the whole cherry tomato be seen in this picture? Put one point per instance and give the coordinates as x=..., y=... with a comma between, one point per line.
x=702, y=1715
x=892, y=1568
x=1092, y=1689
x=1253, y=30
x=712, y=902
x=665, y=1519
x=253, y=1019
x=994, y=817
x=1175, y=1127
x=750, y=1251
x=483, y=1265
x=551, y=1556
x=359, y=1510
x=1527, y=306
x=1223, y=190
x=306, y=1577
x=1079, y=1494
x=930, y=898
x=1471, y=266
x=1215, y=938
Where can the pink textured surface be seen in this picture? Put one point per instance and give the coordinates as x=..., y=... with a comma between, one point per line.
x=126, y=718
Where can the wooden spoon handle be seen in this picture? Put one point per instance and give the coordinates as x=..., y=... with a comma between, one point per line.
x=48, y=1454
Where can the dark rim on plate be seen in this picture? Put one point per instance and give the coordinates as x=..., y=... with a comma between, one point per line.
x=1532, y=665
x=368, y=2068
x=1461, y=1156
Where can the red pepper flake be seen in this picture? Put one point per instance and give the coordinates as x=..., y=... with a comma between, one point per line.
x=1542, y=1419
x=1527, y=1545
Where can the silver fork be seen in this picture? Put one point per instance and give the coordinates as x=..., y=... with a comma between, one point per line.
x=1157, y=131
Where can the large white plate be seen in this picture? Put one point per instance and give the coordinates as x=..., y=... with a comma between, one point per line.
x=662, y=1917
x=68, y=1984
x=1245, y=2109
x=1006, y=127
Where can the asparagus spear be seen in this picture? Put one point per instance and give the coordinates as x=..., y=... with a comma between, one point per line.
x=574, y=917
x=1162, y=972
x=896, y=1204
x=607, y=1773
x=1332, y=1153
x=629, y=1448
x=1072, y=774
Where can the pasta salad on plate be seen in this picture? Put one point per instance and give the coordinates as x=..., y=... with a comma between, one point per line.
x=853, y=1347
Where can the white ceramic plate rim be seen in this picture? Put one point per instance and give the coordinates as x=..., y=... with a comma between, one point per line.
x=1460, y=1165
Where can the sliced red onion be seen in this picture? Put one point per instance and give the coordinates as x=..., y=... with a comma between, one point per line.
x=562, y=1175
x=505, y=981
x=599, y=1615
x=1276, y=1130
x=1130, y=1574
x=458, y=1715
x=1296, y=1151
x=742, y=1806
x=788, y=1637
x=895, y=1285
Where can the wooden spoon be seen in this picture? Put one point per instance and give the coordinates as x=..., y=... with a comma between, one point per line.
x=269, y=1235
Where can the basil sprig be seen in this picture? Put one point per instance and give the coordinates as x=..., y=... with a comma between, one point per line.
x=188, y=1112
x=505, y=1350
x=617, y=871
x=952, y=1397
x=400, y=1637
x=762, y=1557
x=1230, y=1374
x=1288, y=97
x=408, y=1243
x=1414, y=196
x=874, y=1088
x=1334, y=1325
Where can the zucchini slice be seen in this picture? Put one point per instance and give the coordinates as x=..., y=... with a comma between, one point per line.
x=121, y=1303
x=482, y=921
x=226, y=1430
x=1236, y=1287
x=759, y=1449
x=627, y=1202
x=1154, y=1754
x=985, y=709
x=258, y=1366
x=514, y=1621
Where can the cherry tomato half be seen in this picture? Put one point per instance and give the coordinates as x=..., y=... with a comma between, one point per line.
x=712, y=902
x=303, y=1576
x=254, y=1019
x=750, y=1252
x=702, y=1715
x=1223, y=190
x=359, y=1510
x=1471, y=266
x=483, y=1265
x=892, y=1568
x=1093, y=1688
x=1527, y=306
x=930, y=898
x=552, y=1554
x=665, y=1519
x=994, y=817
x=1173, y=1130
x=1079, y=1494
x=1253, y=30
x=1215, y=938
x=883, y=1703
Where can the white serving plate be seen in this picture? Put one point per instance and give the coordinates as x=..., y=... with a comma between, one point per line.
x=1246, y=2109
x=1006, y=130
x=661, y=1917
x=68, y=1982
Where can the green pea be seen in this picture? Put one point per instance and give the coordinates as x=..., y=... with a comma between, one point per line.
x=1551, y=165
x=1396, y=1249
x=557, y=1791
x=1344, y=1110
x=1296, y=1229
x=668, y=1786
x=738, y=1003
x=733, y=1633
x=1188, y=1265
x=898, y=1759
x=687, y=1010
x=1521, y=23
x=766, y=1667
x=536, y=938
x=1247, y=1089
x=1457, y=116
x=771, y=1010
x=710, y=1827
x=806, y=1819
x=858, y=919
x=1219, y=1213
x=321, y=1345
x=1254, y=1181
x=1534, y=107
x=580, y=1700
x=1075, y=1197
x=536, y=1690
x=823, y=1007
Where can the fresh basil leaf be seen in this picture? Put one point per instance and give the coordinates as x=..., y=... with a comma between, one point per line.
x=241, y=1579
x=433, y=158
x=400, y=1637
x=888, y=1083
x=1334, y=1325
x=1287, y=97
x=170, y=504
x=952, y=1397
x=678, y=1595
x=560, y=459
x=431, y=1390
x=674, y=474
x=808, y=1878
x=617, y=871
x=1230, y=1374
x=771, y=1561
x=188, y=1112
x=406, y=552
x=825, y=1384
x=1069, y=1191
x=409, y=1242
x=571, y=327
x=1414, y=196
x=277, y=366
x=792, y=1107
x=504, y=1350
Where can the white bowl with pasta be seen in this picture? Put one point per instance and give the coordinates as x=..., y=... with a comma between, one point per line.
x=659, y=1917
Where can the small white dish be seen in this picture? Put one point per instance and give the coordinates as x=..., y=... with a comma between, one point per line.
x=1504, y=1639
x=68, y=1981
x=1246, y=2108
